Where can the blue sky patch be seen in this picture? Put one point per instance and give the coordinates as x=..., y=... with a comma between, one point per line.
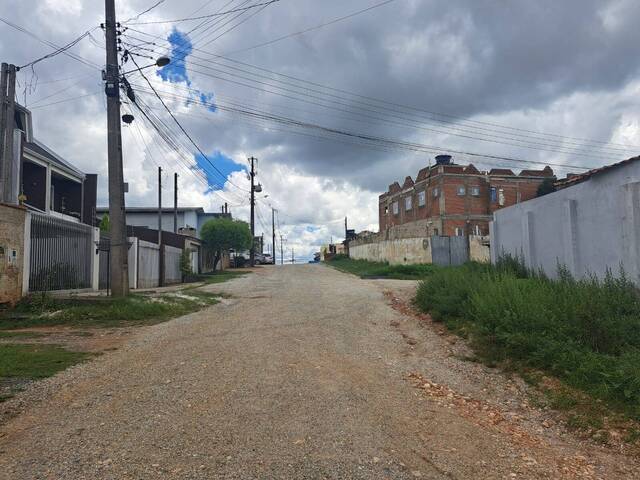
x=225, y=164
x=181, y=47
x=176, y=71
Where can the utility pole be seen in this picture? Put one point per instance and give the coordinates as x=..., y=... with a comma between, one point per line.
x=252, y=252
x=119, y=248
x=281, y=251
x=293, y=259
x=175, y=202
x=161, y=250
x=9, y=166
x=273, y=234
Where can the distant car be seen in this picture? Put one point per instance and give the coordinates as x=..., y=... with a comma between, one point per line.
x=263, y=259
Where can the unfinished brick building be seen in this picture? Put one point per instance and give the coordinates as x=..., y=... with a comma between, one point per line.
x=449, y=199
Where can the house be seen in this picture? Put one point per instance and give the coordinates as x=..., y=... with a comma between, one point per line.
x=47, y=241
x=190, y=219
x=50, y=184
x=450, y=199
x=589, y=225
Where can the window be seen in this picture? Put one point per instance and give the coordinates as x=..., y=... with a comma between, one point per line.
x=422, y=199
x=475, y=191
x=394, y=206
x=407, y=203
x=459, y=231
x=494, y=194
x=461, y=190
x=435, y=192
x=501, y=199
x=386, y=209
x=476, y=230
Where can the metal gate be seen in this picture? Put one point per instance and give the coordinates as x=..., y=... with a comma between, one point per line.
x=447, y=251
x=61, y=254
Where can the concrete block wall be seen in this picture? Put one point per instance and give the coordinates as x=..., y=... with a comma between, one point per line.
x=589, y=228
x=12, y=252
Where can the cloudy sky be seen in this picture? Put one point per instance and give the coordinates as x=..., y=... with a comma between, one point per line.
x=336, y=114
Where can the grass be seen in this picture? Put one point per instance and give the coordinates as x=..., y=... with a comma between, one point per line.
x=584, y=332
x=104, y=312
x=36, y=361
x=218, y=277
x=367, y=269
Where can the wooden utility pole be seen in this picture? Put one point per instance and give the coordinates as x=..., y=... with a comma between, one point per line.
x=8, y=164
x=160, y=246
x=293, y=259
x=119, y=248
x=252, y=252
x=175, y=202
x=273, y=234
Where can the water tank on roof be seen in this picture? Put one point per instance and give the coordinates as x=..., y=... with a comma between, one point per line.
x=443, y=159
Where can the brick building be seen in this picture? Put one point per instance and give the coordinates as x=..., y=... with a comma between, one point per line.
x=449, y=199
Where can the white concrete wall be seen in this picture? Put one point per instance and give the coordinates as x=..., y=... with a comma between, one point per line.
x=590, y=227
x=148, y=264
x=406, y=251
x=172, y=273
x=396, y=252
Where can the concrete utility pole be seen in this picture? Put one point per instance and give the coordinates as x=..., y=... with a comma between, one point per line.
x=273, y=234
x=117, y=218
x=252, y=252
x=281, y=251
x=161, y=250
x=9, y=167
x=175, y=202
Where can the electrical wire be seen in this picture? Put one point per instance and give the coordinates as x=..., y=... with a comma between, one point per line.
x=204, y=155
x=307, y=30
x=211, y=15
x=426, y=114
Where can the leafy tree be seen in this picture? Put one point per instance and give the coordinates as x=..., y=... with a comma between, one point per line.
x=223, y=234
x=547, y=186
x=105, y=224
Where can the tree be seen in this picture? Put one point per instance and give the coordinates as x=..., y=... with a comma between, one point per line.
x=185, y=264
x=223, y=234
x=105, y=224
x=548, y=185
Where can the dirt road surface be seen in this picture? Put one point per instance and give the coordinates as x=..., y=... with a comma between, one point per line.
x=303, y=373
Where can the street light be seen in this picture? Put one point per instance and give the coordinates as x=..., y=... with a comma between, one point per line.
x=162, y=61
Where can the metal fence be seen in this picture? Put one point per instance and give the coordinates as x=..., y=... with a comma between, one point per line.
x=449, y=250
x=61, y=254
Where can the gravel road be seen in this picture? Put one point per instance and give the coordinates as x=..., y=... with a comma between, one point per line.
x=302, y=373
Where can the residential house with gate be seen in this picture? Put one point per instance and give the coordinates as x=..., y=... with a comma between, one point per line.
x=47, y=237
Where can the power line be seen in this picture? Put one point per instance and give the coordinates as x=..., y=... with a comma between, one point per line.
x=204, y=155
x=211, y=15
x=426, y=114
x=307, y=30
x=144, y=12
x=49, y=44
x=254, y=113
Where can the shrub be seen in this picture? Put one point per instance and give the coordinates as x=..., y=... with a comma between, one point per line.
x=586, y=332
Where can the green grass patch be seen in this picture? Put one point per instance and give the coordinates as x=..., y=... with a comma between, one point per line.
x=367, y=269
x=218, y=277
x=104, y=312
x=36, y=361
x=583, y=332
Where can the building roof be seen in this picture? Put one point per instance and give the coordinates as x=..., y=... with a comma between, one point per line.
x=394, y=187
x=198, y=210
x=43, y=151
x=501, y=171
x=408, y=183
x=545, y=172
x=581, y=177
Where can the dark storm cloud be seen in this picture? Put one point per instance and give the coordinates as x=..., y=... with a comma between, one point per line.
x=508, y=61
